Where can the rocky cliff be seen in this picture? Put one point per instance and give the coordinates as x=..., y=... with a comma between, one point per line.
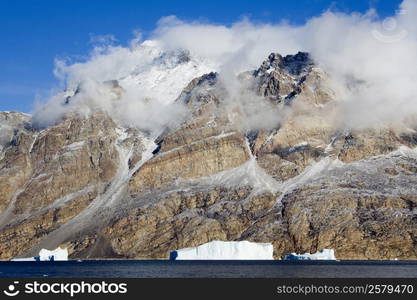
x=302, y=183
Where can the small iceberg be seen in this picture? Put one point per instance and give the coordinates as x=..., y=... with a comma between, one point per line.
x=220, y=250
x=48, y=255
x=325, y=254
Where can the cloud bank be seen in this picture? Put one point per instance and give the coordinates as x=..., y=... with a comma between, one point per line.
x=371, y=62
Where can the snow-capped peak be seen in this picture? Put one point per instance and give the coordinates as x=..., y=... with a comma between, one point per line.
x=145, y=81
x=166, y=75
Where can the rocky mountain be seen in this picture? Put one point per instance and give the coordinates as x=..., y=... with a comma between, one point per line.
x=107, y=190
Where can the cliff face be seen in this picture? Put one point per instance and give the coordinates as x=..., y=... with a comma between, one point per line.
x=106, y=191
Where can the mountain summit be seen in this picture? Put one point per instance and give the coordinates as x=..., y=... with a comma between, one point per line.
x=259, y=157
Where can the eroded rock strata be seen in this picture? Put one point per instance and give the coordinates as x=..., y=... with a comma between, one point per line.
x=104, y=190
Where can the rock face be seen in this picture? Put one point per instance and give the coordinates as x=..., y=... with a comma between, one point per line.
x=198, y=159
x=102, y=190
x=9, y=123
x=60, y=171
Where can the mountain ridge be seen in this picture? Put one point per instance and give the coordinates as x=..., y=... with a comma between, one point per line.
x=262, y=162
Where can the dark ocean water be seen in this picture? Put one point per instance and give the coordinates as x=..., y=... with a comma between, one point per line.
x=211, y=269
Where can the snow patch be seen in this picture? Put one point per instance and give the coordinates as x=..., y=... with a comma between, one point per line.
x=405, y=151
x=33, y=143
x=149, y=147
x=69, y=197
x=75, y=146
x=2, y=153
x=219, y=250
x=247, y=174
x=136, y=86
x=309, y=173
x=163, y=77
x=122, y=134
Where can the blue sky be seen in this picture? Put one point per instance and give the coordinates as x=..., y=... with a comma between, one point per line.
x=35, y=32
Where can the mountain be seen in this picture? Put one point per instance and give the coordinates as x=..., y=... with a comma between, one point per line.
x=258, y=158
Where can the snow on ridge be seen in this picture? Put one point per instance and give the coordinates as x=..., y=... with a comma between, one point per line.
x=69, y=197
x=75, y=146
x=136, y=86
x=247, y=174
x=164, y=77
x=160, y=74
x=15, y=112
x=313, y=171
x=149, y=147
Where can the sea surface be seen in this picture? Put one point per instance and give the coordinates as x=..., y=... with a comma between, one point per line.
x=210, y=269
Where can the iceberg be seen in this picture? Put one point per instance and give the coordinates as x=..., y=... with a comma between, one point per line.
x=48, y=255
x=325, y=254
x=220, y=250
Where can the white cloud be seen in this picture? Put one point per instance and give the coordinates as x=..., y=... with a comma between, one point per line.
x=371, y=61
x=105, y=39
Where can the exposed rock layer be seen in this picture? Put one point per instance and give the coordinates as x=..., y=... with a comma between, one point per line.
x=305, y=185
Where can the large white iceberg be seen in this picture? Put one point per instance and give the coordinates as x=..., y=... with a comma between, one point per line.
x=48, y=255
x=325, y=254
x=219, y=250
